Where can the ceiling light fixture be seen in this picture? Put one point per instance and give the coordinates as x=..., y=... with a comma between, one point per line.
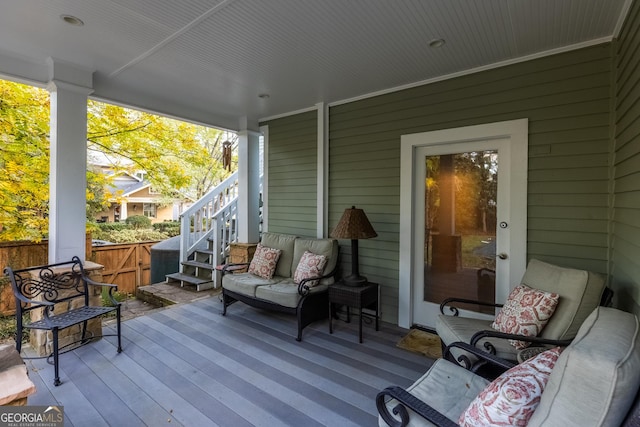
x=436, y=43
x=264, y=96
x=72, y=20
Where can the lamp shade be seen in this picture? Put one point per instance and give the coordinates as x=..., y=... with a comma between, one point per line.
x=354, y=224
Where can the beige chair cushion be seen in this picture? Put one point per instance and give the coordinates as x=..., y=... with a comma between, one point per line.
x=596, y=378
x=580, y=292
x=454, y=328
x=446, y=387
x=284, y=242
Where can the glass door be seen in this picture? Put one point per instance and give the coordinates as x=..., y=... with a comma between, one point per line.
x=460, y=212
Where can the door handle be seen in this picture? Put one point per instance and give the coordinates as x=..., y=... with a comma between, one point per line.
x=503, y=255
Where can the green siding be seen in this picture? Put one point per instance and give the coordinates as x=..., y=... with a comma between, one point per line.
x=625, y=251
x=583, y=189
x=567, y=99
x=292, y=154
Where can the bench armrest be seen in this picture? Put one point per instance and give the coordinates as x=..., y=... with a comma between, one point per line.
x=454, y=310
x=34, y=303
x=112, y=289
x=94, y=283
x=407, y=400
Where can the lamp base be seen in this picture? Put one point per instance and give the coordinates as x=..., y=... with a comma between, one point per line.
x=354, y=280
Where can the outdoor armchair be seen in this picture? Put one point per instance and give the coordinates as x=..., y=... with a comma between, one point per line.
x=579, y=292
x=592, y=382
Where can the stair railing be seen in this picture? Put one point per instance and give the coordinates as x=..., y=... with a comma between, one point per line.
x=209, y=217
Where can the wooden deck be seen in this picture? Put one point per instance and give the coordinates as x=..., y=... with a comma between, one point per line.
x=188, y=365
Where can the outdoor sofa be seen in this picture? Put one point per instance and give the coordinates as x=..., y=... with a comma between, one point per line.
x=294, y=281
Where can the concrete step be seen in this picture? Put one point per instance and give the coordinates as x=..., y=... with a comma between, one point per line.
x=165, y=294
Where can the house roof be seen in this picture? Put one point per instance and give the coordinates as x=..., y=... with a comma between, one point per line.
x=210, y=60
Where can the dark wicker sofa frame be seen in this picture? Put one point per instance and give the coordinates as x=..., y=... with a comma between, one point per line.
x=313, y=306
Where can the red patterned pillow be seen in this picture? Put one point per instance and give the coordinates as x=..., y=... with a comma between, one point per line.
x=526, y=312
x=511, y=399
x=264, y=261
x=310, y=265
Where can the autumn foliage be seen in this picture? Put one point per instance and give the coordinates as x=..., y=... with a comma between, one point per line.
x=180, y=159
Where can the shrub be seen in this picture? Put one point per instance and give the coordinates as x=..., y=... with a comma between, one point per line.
x=138, y=221
x=110, y=226
x=170, y=228
x=130, y=236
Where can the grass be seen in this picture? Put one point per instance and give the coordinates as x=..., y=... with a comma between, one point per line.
x=8, y=328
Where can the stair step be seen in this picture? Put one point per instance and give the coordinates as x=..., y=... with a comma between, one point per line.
x=200, y=284
x=199, y=264
x=204, y=251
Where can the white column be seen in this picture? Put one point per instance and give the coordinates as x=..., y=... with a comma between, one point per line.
x=322, y=198
x=124, y=213
x=248, y=186
x=69, y=89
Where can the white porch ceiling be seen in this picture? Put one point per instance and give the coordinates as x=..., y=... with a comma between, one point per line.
x=208, y=60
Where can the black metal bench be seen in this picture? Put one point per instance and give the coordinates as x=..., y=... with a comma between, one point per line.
x=42, y=287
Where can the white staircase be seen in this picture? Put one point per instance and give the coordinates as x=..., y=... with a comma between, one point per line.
x=206, y=230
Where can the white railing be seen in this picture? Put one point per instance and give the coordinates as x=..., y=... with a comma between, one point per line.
x=213, y=216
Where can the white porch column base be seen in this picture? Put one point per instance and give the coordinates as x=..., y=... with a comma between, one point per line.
x=69, y=89
x=248, y=187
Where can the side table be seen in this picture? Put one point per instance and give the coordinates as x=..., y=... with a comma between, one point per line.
x=358, y=297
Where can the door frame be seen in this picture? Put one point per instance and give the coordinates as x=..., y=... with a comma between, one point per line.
x=516, y=131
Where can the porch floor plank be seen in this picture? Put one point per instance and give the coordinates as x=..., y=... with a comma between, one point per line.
x=189, y=365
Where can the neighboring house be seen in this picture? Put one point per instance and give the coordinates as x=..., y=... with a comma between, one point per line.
x=133, y=195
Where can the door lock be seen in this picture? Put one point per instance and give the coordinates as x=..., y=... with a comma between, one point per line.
x=503, y=256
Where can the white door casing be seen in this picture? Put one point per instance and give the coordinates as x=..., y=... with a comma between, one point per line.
x=510, y=138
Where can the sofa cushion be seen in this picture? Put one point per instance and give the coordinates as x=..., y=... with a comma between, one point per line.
x=326, y=247
x=284, y=292
x=440, y=386
x=246, y=283
x=596, y=378
x=512, y=398
x=580, y=292
x=311, y=265
x=284, y=242
x=455, y=328
x=264, y=261
x=525, y=312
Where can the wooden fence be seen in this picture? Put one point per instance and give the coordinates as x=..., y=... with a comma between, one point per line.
x=127, y=265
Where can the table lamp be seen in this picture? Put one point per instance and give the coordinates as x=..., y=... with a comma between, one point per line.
x=354, y=225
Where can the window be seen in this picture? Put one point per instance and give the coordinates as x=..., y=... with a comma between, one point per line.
x=149, y=210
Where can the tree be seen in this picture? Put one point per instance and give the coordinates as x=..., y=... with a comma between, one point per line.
x=24, y=161
x=178, y=157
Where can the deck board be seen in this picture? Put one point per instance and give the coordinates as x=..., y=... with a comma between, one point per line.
x=189, y=365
